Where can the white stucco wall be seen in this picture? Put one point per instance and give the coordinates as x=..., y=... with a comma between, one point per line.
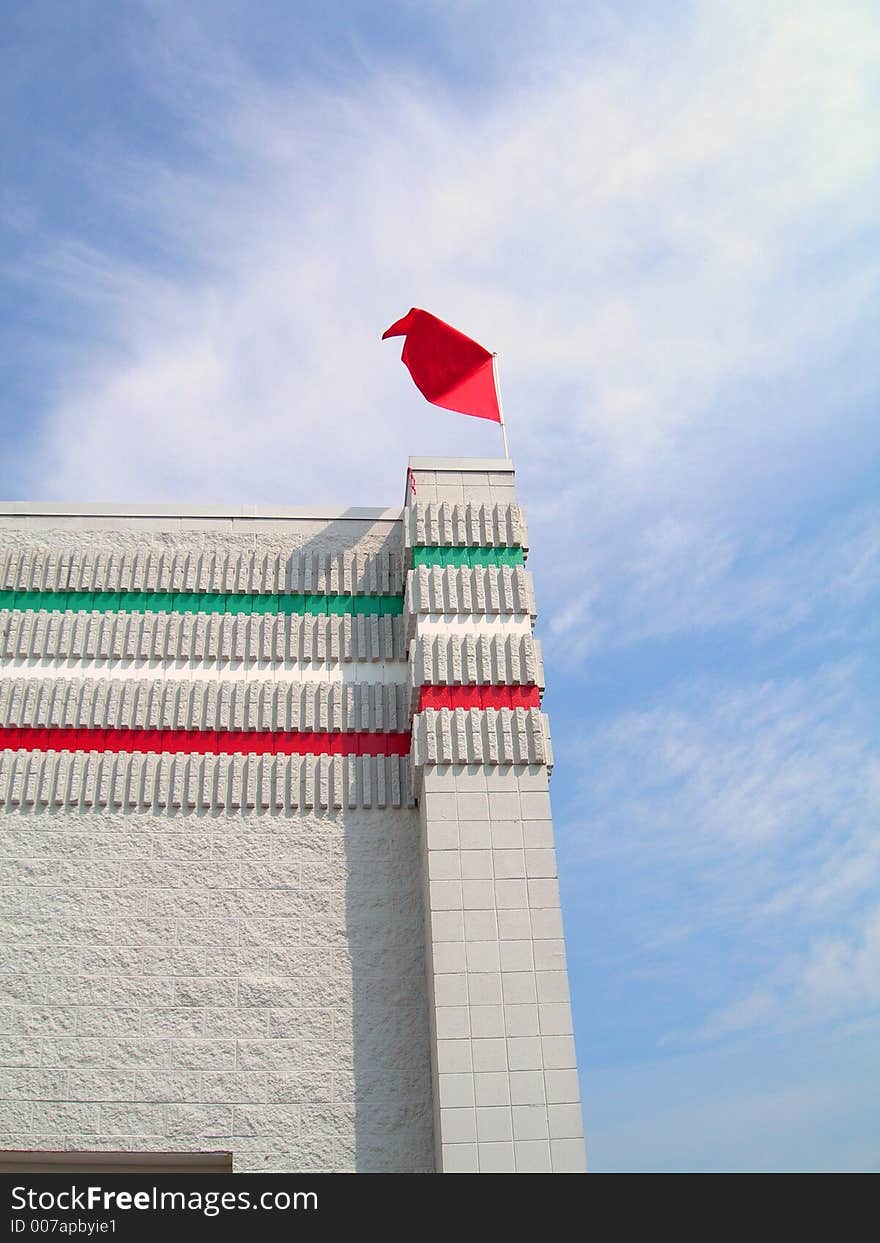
x=244, y=982
x=214, y=976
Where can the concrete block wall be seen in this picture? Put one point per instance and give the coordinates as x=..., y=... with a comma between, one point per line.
x=216, y=980
x=506, y=1095
x=276, y=855
x=202, y=949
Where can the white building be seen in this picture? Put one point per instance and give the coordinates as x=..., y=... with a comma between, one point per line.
x=278, y=876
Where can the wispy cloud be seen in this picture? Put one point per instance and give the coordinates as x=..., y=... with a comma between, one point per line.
x=761, y=804
x=726, y=772
x=630, y=228
x=683, y=576
x=837, y=977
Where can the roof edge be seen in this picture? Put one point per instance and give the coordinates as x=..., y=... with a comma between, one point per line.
x=75, y=509
x=501, y=464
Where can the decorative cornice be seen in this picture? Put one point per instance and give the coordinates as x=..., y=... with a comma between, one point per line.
x=201, y=638
x=202, y=783
x=154, y=568
x=201, y=704
x=464, y=525
x=475, y=736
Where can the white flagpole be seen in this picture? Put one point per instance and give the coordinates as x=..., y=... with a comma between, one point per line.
x=500, y=405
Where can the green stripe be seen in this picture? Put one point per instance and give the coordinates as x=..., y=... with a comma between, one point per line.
x=195, y=602
x=468, y=556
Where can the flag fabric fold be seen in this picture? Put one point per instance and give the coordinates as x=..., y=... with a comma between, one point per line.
x=448, y=368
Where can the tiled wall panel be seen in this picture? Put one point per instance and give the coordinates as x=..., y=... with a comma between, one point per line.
x=506, y=1095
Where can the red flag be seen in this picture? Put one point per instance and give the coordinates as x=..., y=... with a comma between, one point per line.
x=447, y=367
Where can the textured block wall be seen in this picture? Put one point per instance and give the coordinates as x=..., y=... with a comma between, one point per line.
x=210, y=903
x=277, y=855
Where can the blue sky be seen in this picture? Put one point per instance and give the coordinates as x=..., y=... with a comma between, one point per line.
x=664, y=217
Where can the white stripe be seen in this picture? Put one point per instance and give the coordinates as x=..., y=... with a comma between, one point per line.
x=468, y=623
x=346, y=673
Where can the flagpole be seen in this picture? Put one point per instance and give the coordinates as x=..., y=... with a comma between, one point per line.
x=500, y=405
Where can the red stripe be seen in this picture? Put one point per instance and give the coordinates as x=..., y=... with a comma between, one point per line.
x=159, y=741
x=479, y=697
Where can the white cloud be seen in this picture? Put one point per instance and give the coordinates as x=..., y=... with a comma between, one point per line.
x=684, y=577
x=730, y=770
x=842, y=972
x=755, y=812
x=629, y=228
x=837, y=977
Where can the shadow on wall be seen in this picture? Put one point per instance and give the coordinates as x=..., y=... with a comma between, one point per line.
x=352, y=531
x=393, y=1120
x=385, y=945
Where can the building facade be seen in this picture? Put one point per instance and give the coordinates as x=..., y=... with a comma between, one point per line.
x=278, y=874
